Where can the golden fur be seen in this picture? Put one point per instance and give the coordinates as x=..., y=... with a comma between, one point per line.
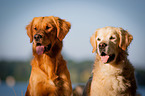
x=114, y=77
x=49, y=74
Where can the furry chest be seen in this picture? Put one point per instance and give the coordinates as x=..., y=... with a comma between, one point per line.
x=107, y=85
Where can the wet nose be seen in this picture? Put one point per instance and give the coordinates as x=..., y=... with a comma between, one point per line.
x=102, y=45
x=37, y=37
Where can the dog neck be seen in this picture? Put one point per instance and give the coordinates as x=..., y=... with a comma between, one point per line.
x=48, y=65
x=48, y=62
x=122, y=56
x=55, y=51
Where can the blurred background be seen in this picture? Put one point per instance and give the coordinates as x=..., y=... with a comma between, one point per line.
x=85, y=16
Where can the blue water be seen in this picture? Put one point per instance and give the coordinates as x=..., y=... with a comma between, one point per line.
x=20, y=88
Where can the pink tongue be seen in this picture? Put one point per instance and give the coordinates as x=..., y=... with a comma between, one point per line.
x=40, y=50
x=104, y=59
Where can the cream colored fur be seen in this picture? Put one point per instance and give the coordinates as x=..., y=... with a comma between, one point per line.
x=115, y=78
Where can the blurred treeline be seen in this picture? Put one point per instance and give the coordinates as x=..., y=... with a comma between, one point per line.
x=79, y=71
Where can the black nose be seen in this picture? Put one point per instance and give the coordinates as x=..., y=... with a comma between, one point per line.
x=102, y=45
x=37, y=37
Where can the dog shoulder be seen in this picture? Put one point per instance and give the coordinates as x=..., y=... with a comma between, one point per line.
x=87, y=88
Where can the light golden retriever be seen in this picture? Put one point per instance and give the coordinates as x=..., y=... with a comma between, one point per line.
x=113, y=74
x=49, y=74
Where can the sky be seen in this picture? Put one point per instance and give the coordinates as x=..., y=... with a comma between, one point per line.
x=85, y=17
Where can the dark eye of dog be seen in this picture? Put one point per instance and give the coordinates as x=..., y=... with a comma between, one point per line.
x=35, y=28
x=112, y=37
x=47, y=27
x=98, y=39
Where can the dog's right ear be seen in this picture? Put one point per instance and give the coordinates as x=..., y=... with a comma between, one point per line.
x=29, y=31
x=93, y=42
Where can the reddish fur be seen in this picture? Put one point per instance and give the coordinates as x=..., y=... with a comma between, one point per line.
x=49, y=74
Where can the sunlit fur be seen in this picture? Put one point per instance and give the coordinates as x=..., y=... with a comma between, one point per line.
x=49, y=74
x=115, y=78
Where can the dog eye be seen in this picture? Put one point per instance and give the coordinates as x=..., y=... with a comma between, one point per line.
x=98, y=39
x=35, y=28
x=111, y=38
x=47, y=27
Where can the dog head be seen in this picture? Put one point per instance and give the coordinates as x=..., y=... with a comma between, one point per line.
x=45, y=31
x=108, y=41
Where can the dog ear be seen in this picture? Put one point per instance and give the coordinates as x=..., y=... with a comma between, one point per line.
x=62, y=27
x=93, y=42
x=125, y=39
x=29, y=31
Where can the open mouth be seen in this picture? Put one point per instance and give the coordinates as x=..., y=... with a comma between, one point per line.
x=107, y=58
x=40, y=49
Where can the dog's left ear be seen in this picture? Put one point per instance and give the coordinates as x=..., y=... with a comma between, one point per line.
x=63, y=30
x=62, y=27
x=93, y=42
x=125, y=39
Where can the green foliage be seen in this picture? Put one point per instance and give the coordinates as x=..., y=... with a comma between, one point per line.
x=140, y=75
x=18, y=69
x=80, y=71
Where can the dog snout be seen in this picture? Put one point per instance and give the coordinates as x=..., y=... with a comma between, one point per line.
x=102, y=45
x=37, y=37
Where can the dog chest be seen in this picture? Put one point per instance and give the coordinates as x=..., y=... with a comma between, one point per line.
x=107, y=82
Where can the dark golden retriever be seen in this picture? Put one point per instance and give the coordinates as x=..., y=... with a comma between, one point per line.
x=113, y=74
x=49, y=74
